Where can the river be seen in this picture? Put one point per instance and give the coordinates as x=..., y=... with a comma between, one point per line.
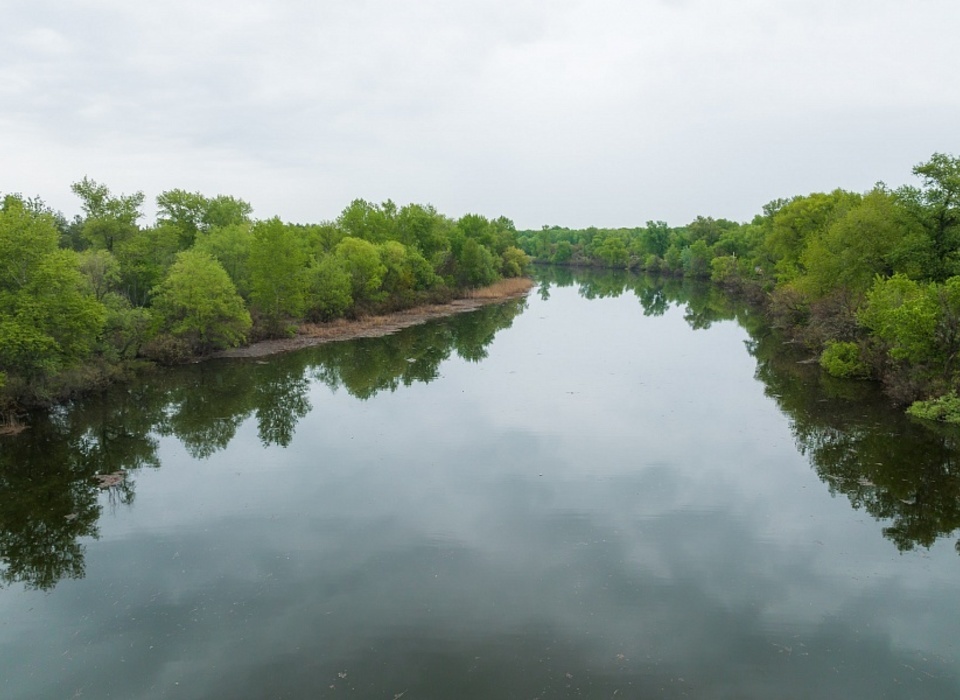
x=617, y=487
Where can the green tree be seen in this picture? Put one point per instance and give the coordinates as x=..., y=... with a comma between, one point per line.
x=724, y=269
x=852, y=250
x=224, y=210
x=125, y=329
x=696, y=259
x=145, y=257
x=184, y=211
x=612, y=250
x=476, y=227
x=230, y=245
x=476, y=265
x=329, y=289
x=424, y=228
x=656, y=238
x=514, y=262
x=362, y=262
x=370, y=222
x=407, y=271
x=707, y=229
x=192, y=214
x=740, y=240
x=870, y=239
x=49, y=319
x=503, y=234
x=936, y=207
x=673, y=258
x=795, y=223
x=278, y=264
x=101, y=270
x=903, y=314
x=398, y=279
x=321, y=239
x=562, y=252
x=198, y=304
x=843, y=359
x=109, y=219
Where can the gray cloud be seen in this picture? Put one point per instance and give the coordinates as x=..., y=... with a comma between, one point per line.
x=606, y=112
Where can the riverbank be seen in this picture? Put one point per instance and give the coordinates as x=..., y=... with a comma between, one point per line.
x=310, y=334
x=94, y=376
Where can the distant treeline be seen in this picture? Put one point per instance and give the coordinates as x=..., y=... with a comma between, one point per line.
x=870, y=282
x=82, y=299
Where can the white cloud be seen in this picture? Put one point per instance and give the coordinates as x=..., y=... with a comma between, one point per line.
x=606, y=113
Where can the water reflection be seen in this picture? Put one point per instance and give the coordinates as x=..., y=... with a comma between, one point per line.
x=49, y=495
x=898, y=469
x=703, y=303
x=380, y=613
x=48, y=491
x=570, y=517
x=47, y=503
x=901, y=471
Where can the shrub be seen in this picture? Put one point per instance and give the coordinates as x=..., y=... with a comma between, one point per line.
x=944, y=408
x=842, y=359
x=724, y=270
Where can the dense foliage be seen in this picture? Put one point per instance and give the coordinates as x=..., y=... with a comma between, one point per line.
x=81, y=299
x=869, y=282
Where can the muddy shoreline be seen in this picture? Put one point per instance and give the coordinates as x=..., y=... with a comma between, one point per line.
x=310, y=334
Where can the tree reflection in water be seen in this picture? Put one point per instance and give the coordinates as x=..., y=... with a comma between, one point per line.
x=49, y=493
x=902, y=472
x=50, y=497
x=899, y=470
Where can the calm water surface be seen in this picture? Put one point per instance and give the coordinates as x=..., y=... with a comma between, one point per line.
x=613, y=489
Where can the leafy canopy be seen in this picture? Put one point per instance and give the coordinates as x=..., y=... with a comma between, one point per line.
x=198, y=303
x=49, y=318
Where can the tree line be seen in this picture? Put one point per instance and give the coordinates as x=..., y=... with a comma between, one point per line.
x=83, y=300
x=869, y=282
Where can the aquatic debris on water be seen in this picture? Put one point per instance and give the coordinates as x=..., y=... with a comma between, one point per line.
x=106, y=481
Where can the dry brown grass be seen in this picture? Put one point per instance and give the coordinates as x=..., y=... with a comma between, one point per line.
x=502, y=289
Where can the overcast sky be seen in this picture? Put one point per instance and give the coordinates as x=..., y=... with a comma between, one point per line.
x=569, y=112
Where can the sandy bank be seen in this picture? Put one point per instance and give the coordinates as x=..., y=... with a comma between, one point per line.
x=310, y=334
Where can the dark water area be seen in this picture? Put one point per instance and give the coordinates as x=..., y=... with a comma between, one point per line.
x=618, y=487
